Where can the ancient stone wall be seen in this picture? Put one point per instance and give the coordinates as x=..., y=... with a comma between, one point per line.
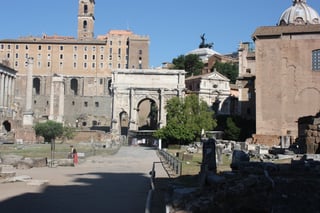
x=309, y=138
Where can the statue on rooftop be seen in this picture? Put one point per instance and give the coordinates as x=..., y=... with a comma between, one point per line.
x=203, y=43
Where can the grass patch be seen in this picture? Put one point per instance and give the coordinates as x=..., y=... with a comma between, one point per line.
x=44, y=150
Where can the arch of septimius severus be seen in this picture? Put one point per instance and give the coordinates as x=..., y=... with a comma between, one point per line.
x=140, y=96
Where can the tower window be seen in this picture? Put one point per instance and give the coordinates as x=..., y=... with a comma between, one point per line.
x=316, y=60
x=85, y=25
x=85, y=9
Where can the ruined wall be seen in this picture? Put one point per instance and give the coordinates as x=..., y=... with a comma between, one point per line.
x=309, y=134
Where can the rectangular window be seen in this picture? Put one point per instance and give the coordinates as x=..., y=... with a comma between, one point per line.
x=61, y=56
x=61, y=48
x=39, y=47
x=49, y=47
x=96, y=104
x=86, y=104
x=17, y=47
x=316, y=60
x=75, y=48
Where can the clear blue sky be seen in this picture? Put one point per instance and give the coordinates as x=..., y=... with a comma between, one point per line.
x=174, y=26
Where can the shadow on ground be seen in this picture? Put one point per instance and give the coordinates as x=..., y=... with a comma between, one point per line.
x=90, y=192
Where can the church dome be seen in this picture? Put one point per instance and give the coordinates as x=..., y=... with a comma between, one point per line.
x=300, y=13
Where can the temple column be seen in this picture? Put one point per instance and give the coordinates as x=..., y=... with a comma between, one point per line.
x=28, y=114
x=1, y=89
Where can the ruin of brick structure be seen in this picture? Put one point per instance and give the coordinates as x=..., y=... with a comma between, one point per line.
x=309, y=134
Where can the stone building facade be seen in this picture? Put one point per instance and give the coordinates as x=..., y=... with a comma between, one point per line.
x=214, y=89
x=72, y=76
x=287, y=71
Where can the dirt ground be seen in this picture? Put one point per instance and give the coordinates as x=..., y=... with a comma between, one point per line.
x=117, y=183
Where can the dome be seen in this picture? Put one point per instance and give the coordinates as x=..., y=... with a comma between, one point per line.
x=299, y=13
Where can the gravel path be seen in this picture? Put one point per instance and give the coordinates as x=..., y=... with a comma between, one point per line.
x=117, y=183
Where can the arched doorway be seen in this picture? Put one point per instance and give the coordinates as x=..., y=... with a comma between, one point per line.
x=147, y=112
x=74, y=86
x=124, y=123
x=36, y=86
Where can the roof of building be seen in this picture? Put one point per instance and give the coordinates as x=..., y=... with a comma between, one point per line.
x=211, y=75
x=300, y=13
x=282, y=30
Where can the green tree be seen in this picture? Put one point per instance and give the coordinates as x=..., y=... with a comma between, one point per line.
x=192, y=64
x=185, y=120
x=232, y=132
x=49, y=130
x=230, y=70
x=68, y=133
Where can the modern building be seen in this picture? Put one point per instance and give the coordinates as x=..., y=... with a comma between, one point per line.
x=287, y=71
x=72, y=76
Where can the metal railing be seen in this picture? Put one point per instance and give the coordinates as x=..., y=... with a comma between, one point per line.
x=174, y=163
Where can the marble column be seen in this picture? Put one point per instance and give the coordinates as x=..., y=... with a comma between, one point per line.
x=1, y=89
x=5, y=91
x=28, y=114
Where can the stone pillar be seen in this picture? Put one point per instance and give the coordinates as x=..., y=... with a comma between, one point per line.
x=133, y=111
x=114, y=121
x=162, y=114
x=1, y=89
x=9, y=101
x=61, y=99
x=28, y=114
x=5, y=95
x=51, y=110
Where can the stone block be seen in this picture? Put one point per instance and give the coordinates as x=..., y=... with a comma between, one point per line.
x=7, y=174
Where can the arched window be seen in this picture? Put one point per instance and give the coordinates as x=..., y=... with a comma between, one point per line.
x=85, y=25
x=36, y=86
x=85, y=9
x=74, y=86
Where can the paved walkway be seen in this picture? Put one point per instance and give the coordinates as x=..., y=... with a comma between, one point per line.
x=117, y=183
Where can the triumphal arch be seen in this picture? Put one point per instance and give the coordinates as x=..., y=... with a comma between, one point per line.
x=140, y=96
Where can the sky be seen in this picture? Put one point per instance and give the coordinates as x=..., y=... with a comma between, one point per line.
x=173, y=26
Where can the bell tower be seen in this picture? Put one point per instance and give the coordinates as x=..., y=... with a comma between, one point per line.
x=86, y=19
